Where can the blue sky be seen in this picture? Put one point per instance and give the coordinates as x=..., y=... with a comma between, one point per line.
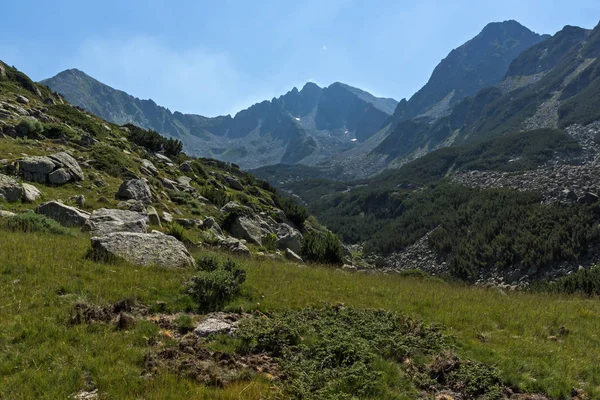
x=217, y=57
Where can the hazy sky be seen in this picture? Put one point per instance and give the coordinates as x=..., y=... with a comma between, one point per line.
x=217, y=57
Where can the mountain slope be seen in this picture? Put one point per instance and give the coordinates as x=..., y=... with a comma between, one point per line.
x=480, y=62
x=553, y=84
x=314, y=121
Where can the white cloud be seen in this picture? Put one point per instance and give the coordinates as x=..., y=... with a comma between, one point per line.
x=191, y=80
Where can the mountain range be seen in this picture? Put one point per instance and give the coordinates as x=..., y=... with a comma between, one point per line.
x=318, y=127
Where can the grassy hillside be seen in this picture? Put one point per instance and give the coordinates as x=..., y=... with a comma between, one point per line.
x=540, y=343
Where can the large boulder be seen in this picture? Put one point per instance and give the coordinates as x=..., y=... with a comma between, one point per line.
x=232, y=205
x=69, y=164
x=250, y=228
x=107, y=220
x=65, y=215
x=135, y=189
x=10, y=190
x=56, y=169
x=145, y=249
x=30, y=193
x=149, y=167
x=289, y=238
x=36, y=169
x=233, y=183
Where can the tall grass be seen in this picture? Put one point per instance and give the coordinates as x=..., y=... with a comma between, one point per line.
x=42, y=356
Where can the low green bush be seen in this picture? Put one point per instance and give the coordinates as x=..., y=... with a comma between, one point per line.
x=585, y=281
x=216, y=196
x=110, y=159
x=322, y=247
x=32, y=222
x=216, y=284
x=177, y=231
x=30, y=127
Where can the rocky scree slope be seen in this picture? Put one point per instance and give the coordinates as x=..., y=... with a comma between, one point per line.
x=138, y=195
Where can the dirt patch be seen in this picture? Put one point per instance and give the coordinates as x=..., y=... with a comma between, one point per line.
x=191, y=359
x=122, y=313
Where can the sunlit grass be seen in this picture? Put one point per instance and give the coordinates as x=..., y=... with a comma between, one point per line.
x=42, y=356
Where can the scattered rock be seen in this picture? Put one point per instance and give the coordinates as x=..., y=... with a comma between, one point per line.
x=65, y=215
x=288, y=237
x=30, y=193
x=10, y=190
x=146, y=249
x=105, y=221
x=150, y=167
x=22, y=99
x=217, y=323
x=135, y=189
x=56, y=169
x=186, y=167
x=153, y=217
x=167, y=217
x=234, y=246
x=290, y=255
x=233, y=183
x=6, y=214
x=248, y=228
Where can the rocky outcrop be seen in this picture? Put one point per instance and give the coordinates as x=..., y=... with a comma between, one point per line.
x=250, y=228
x=105, y=221
x=65, y=215
x=289, y=238
x=135, y=189
x=233, y=183
x=30, y=193
x=56, y=169
x=145, y=249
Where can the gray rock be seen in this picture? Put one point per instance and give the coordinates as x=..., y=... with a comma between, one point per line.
x=10, y=190
x=135, y=189
x=288, y=237
x=59, y=177
x=210, y=223
x=290, y=255
x=232, y=205
x=6, y=214
x=184, y=180
x=40, y=168
x=36, y=169
x=169, y=184
x=217, y=323
x=234, y=246
x=150, y=167
x=167, y=217
x=186, y=222
x=233, y=183
x=30, y=193
x=106, y=220
x=248, y=228
x=163, y=158
x=22, y=99
x=145, y=249
x=69, y=164
x=186, y=167
x=65, y=215
x=79, y=200
x=153, y=217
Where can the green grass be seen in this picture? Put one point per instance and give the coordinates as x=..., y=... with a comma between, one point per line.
x=41, y=356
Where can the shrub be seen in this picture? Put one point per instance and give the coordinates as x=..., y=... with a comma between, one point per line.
x=58, y=131
x=31, y=222
x=232, y=215
x=153, y=141
x=269, y=242
x=110, y=159
x=295, y=212
x=216, y=284
x=183, y=198
x=216, y=196
x=322, y=247
x=177, y=231
x=585, y=281
x=30, y=127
